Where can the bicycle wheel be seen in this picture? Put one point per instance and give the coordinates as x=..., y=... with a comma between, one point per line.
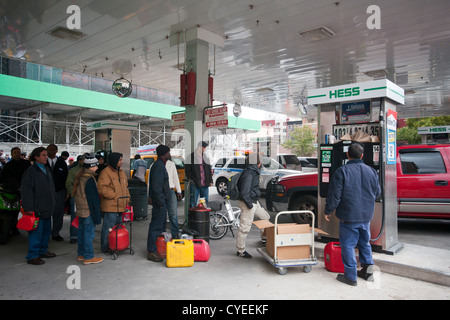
x=218, y=226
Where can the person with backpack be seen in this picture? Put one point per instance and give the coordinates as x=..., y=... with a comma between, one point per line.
x=249, y=194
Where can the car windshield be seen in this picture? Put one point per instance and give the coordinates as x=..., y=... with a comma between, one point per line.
x=271, y=164
x=178, y=162
x=291, y=159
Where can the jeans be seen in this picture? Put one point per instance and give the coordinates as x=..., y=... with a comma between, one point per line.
x=195, y=192
x=73, y=230
x=38, y=239
x=173, y=214
x=58, y=213
x=110, y=219
x=86, y=233
x=156, y=227
x=352, y=235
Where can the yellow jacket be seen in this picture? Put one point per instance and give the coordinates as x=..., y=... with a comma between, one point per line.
x=112, y=185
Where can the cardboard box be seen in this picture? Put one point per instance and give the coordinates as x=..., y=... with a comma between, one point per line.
x=288, y=252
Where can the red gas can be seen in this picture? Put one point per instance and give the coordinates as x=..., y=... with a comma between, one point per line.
x=119, y=233
x=333, y=257
x=201, y=250
x=161, y=246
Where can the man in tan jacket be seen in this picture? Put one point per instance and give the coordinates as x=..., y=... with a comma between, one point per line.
x=113, y=189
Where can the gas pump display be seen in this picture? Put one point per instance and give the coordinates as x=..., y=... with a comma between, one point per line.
x=335, y=156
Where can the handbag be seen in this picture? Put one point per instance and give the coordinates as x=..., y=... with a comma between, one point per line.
x=28, y=222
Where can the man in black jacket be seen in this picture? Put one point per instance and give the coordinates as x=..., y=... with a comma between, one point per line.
x=159, y=198
x=248, y=202
x=38, y=196
x=59, y=170
x=198, y=168
x=10, y=179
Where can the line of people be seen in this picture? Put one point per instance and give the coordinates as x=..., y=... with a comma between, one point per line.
x=44, y=183
x=102, y=198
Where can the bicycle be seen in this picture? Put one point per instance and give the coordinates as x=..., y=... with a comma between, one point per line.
x=222, y=218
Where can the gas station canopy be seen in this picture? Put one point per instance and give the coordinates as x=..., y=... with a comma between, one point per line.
x=272, y=50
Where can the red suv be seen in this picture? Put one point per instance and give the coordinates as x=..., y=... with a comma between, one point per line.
x=423, y=175
x=423, y=191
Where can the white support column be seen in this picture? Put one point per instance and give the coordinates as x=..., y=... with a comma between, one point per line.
x=40, y=127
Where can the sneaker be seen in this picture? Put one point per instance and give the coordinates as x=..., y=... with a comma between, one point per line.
x=80, y=258
x=244, y=255
x=93, y=260
x=263, y=240
x=342, y=278
x=366, y=273
x=153, y=256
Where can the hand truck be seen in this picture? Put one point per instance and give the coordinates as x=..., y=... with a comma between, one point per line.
x=299, y=239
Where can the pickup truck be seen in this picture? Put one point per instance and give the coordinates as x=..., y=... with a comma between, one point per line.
x=423, y=191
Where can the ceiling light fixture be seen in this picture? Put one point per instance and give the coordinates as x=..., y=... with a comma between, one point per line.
x=65, y=33
x=317, y=34
x=377, y=74
x=264, y=90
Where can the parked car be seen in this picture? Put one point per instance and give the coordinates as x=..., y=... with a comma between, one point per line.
x=227, y=167
x=289, y=161
x=309, y=164
x=423, y=175
x=423, y=191
x=151, y=158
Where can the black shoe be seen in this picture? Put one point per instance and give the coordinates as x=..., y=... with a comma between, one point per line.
x=342, y=278
x=263, y=241
x=47, y=255
x=108, y=252
x=72, y=241
x=244, y=255
x=366, y=273
x=36, y=261
x=153, y=256
x=58, y=238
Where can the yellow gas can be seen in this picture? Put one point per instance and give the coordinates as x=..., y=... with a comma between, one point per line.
x=180, y=253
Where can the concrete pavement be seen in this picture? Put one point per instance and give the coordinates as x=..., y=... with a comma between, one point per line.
x=224, y=276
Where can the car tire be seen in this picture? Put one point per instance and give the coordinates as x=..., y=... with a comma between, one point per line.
x=222, y=186
x=305, y=202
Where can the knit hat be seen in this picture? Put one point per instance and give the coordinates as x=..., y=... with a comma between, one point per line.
x=203, y=144
x=162, y=150
x=90, y=162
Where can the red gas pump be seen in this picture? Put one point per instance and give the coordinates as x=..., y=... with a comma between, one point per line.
x=210, y=90
x=187, y=88
x=191, y=88
x=183, y=91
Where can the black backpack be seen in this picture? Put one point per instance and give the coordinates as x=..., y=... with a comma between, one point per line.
x=233, y=188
